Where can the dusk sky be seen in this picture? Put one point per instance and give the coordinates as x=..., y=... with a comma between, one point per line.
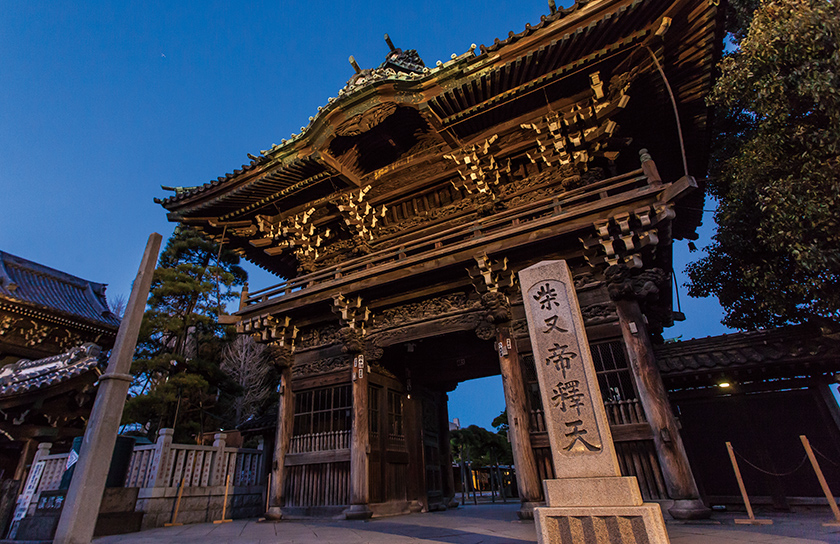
x=102, y=103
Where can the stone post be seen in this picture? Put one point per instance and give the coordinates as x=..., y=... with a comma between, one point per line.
x=589, y=501
x=161, y=461
x=81, y=508
x=217, y=476
x=27, y=459
x=676, y=471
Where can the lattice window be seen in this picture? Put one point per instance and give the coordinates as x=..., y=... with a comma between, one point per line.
x=323, y=410
x=613, y=371
x=395, y=413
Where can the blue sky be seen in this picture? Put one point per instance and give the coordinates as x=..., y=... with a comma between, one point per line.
x=101, y=103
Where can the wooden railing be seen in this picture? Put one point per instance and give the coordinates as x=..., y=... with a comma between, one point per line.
x=624, y=412
x=333, y=440
x=562, y=206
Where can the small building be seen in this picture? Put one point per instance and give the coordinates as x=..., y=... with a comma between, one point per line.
x=54, y=328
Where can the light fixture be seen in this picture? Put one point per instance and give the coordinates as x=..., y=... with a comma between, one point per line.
x=724, y=385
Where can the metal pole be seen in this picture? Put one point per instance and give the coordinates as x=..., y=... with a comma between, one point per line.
x=81, y=508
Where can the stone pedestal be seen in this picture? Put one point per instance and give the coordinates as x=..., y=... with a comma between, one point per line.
x=589, y=501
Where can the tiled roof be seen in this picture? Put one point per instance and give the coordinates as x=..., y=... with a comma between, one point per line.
x=26, y=376
x=766, y=350
x=35, y=285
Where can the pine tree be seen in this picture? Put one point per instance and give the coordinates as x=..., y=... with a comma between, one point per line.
x=178, y=381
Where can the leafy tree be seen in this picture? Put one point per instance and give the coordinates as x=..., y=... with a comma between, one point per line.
x=776, y=171
x=480, y=447
x=176, y=365
x=500, y=423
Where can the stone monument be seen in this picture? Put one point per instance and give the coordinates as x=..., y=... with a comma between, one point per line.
x=589, y=501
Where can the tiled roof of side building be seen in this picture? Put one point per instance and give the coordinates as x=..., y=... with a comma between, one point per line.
x=31, y=284
x=765, y=349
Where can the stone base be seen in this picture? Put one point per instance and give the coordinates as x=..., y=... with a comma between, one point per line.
x=689, y=509
x=526, y=511
x=274, y=513
x=358, y=511
x=614, y=524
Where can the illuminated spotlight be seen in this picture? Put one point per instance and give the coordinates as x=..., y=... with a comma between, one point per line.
x=724, y=385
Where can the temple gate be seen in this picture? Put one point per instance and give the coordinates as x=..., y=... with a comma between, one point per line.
x=401, y=214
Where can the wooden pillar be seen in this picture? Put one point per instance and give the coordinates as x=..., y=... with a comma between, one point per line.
x=27, y=454
x=654, y=399
x=448, y=476
x=285, y=427
x=359, y=444
x=527, y=477
x=416, y=484
x=81, y=507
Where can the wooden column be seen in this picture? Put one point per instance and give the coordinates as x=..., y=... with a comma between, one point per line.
x=527, y=477
x=416, y=484
x=359, y=444
x=446, y=454
x=654, y=398
x=285, y=427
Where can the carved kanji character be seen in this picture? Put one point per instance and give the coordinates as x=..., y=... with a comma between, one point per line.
x=576, y=435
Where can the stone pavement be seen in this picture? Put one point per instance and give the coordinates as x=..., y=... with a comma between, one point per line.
x=484, y=524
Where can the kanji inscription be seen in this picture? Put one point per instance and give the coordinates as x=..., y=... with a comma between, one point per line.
x=575, y=418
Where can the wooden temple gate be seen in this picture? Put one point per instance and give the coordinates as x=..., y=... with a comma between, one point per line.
x=401, y=214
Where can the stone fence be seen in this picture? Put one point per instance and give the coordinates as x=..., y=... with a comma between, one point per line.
x=159, y=469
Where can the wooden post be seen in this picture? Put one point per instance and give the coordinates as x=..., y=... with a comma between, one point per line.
x=527, y=477
x=174, y=522
x=78, y=516
x=824, y=484
x=752, y=520
x=359, y=444
x=285, y=427
x=446, y=455
x=224, y=504
x=654, y=399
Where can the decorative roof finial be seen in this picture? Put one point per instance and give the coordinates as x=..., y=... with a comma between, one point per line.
x=552, y=6
x=389, y=42
x=355, y=64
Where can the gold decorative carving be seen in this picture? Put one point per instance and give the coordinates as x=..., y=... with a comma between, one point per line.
x=37, y=334
x=478, y=168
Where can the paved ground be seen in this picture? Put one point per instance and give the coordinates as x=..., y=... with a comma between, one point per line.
x=484, y=524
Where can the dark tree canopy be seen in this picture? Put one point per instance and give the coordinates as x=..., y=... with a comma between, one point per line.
x=176, y=366
x=776, y=171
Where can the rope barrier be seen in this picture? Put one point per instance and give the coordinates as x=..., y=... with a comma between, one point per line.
x=779, y=474
x=818, y=452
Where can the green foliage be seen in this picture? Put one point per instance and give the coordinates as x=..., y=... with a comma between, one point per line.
x=500, y=423
x=176, y=364
x=776, y=168
x=480, y=447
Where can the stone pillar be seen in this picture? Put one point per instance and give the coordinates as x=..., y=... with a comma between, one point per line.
x=359, y=444
x=78, y=515
x=676, y=471
x=285, y=427
x=527, y=478
x=161, y=461
x=588, y=500
x=446, y=454
x=217, y=476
